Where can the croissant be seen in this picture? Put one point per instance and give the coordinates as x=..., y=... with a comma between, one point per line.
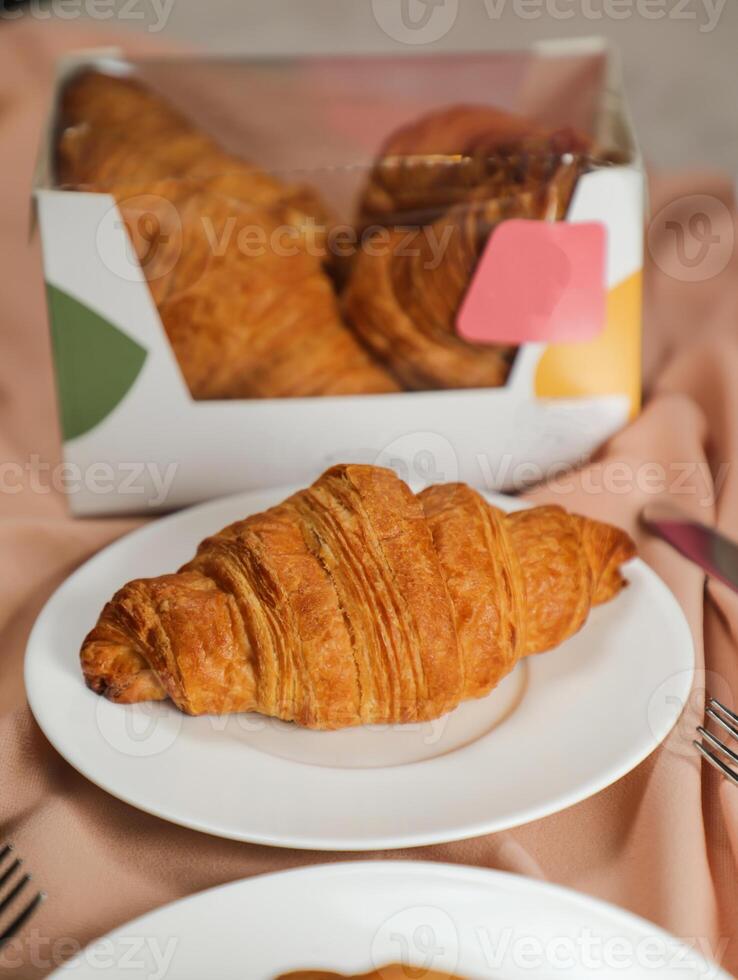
x=465, y=151
x=115, y=131
x=355, y=602
x=243, y=298
x=402, y=299
x=229, y=252
x=453, y=176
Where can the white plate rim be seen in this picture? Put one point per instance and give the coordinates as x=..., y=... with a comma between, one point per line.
x=457, y=873
x=469, y=829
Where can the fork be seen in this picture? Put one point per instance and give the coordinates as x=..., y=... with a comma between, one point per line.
x=718, y=557
x=16, y=885
x=728, y=721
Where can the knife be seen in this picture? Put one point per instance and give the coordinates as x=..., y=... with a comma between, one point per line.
x=712, y=551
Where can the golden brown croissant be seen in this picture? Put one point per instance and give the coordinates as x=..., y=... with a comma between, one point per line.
x=355, y=602
x=115, y=131
x=243, y=298
x=402, y=299
x=453, y=176
x=465, y=152
x=227, y=249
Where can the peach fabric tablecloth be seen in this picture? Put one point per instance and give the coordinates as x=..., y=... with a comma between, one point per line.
x=662, y=842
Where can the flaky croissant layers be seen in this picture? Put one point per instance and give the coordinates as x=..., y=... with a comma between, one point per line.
x=356, y=602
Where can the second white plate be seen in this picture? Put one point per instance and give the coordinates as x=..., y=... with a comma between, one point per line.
x=563, y=726
x=358, y=917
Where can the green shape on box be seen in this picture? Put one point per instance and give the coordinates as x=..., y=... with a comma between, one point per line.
x=96, y=363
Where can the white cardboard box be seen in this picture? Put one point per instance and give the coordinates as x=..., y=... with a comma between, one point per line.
x=135, y=441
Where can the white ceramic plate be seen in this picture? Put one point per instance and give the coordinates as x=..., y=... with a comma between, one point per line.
x=353, y=918
x=563, y=726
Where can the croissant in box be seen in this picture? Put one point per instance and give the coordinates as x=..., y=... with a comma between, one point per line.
x=469, y=151
x=453, y=175
x=244, y=322
x=355, y=602
x=270, y=325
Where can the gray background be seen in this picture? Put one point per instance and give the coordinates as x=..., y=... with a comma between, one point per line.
x=681, y=76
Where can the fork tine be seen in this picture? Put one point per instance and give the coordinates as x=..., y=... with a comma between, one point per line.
x=715, y=762
x=733, y=732
x=714, y=703
x=6, y=875
x=27, y=911
x=720, y=746
x=20, y=920
x=14, y=893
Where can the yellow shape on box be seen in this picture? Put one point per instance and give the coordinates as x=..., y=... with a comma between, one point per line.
x=608, y=365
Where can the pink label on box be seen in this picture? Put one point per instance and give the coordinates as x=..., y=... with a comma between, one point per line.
x=537, y=281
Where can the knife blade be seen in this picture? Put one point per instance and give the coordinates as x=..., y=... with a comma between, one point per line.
x=712, y=551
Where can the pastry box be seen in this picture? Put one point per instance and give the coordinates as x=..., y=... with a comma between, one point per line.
x=257, y=268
